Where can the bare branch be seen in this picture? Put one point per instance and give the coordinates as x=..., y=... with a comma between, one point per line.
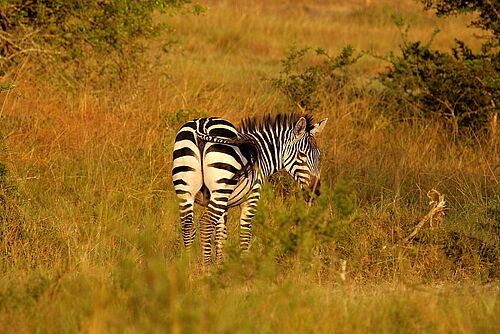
x=438, y=208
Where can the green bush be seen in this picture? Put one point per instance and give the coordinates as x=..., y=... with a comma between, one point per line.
x=71, y=29
x=488, y=17
x=298, y=229
x=303, y=84
x=461, y=88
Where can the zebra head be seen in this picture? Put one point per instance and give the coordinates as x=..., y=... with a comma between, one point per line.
x=301, y=153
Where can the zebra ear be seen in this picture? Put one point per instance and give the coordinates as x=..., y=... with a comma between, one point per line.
x=318, y=127
x=300, y=127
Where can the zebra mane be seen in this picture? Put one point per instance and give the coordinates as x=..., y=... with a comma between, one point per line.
x=267, y=122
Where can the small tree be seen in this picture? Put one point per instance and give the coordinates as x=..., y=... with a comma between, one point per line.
x=460, y=87
x=488, y=14
x=72, y=29
x=303, y=85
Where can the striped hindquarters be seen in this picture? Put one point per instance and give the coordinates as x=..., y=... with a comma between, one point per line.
x=201, y=168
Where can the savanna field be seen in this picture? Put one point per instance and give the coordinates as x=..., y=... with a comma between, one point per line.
x=90, y=235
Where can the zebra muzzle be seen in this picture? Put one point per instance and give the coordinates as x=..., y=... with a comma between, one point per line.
x=312, y=191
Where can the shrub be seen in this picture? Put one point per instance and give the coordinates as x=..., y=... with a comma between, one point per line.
x=304, y=84
x=488, y=17
x=460, y=88
x=70, y=29
x=294, y=229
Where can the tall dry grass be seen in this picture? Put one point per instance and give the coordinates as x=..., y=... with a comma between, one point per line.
x=94, y=246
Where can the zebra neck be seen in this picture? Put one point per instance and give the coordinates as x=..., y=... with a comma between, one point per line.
x=269, y=154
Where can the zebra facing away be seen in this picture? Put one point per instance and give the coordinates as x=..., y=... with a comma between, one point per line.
x=219, y=166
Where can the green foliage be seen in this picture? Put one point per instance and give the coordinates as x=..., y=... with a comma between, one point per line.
x=487, y=10
x=6, y=87
x=461, y=88
x=303, y=84
x=298, y=229
x=69, y=30
x=343, y=198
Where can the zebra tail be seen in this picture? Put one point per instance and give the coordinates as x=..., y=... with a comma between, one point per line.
x=246, y=143
x=220, y=140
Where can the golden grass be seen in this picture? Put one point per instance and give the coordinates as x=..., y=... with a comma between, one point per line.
x=98, y=249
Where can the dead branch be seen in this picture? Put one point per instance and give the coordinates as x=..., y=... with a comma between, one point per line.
x=50, y=52
x=436, y=212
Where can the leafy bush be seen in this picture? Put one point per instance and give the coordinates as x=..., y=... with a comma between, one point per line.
x=296, y=230
x=71, y=29
x=488, y=14
x=461, y=88
x=303, y=85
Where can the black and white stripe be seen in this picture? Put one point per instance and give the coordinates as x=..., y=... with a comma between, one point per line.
x=220, y=166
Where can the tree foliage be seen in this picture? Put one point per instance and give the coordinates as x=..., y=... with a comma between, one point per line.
x=70, y=29
x=459, y=86
x=488, y=13
x=304, y=84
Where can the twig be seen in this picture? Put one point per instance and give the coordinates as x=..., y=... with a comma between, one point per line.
x=301, y=108
x=493, y=8
x=4, y=37
x=438, y=207
x=343, y=264
x=30, y=51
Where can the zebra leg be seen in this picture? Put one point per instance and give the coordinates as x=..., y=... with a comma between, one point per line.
x=220, y=237
x=214, y=213
x=187, y=177
x=184, y=191
x=248, y=209
x=221, y=166
x=206, y=231
x=187, y=222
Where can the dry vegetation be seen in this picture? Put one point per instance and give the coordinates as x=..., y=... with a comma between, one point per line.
x=92, y=241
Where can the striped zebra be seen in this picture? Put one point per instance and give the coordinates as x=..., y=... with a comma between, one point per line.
x=220, y=166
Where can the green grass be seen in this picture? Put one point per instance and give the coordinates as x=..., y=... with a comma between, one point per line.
x=142, y=292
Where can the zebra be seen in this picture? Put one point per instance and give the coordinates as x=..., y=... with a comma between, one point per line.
x=219, y=166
